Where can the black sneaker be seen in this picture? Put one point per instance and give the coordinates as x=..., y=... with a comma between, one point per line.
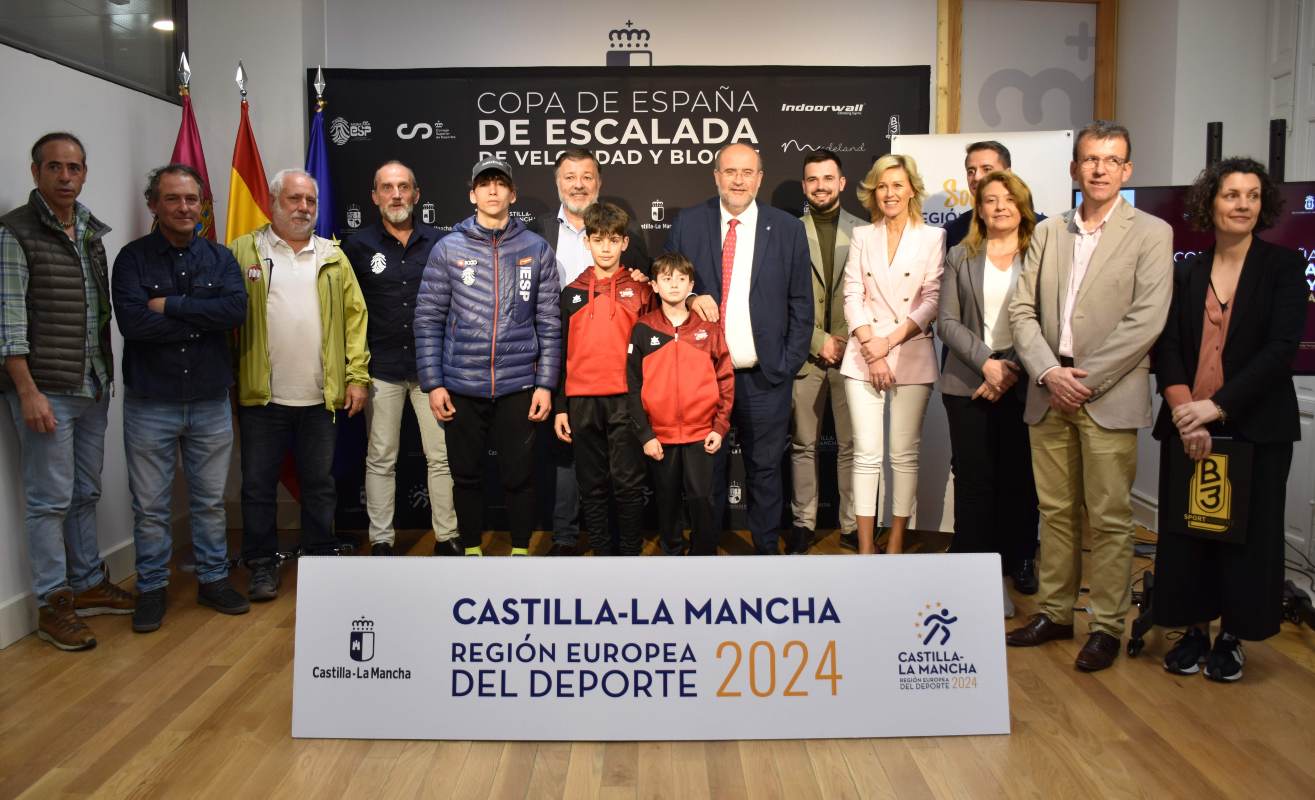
x=149, y=613
x=222, y=597
x=1224, y=664
x=1186, y=657
x=381, y=549
x=449, y=547
x=563, y=550
x=1025, y=580
x=264, y=579
x=849, y=540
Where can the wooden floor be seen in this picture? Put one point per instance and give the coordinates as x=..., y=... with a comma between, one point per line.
x=202, y=708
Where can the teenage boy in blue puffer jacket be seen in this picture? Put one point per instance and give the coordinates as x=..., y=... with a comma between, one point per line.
x=488, y=350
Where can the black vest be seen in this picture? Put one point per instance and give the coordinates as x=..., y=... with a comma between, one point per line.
x=57, y=298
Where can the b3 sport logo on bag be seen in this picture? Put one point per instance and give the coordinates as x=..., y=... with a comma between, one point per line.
x=1210, y=495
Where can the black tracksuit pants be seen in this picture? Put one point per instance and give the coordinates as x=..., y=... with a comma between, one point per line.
x=608, y=460
x=687, y=467
x=506, y=421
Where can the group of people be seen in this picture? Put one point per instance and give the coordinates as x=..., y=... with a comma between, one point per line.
x=751, y=318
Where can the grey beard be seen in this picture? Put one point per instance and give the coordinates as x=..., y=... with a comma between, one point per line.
x=398, y=216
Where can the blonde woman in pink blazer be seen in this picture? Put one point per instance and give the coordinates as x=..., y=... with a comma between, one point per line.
x=892, y=285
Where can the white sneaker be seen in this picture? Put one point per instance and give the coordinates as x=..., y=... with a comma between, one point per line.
x=1009, y=601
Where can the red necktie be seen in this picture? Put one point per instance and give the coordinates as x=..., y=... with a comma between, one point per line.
x=727, y=266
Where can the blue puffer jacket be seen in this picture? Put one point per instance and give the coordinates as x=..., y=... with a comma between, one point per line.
x=480, y=341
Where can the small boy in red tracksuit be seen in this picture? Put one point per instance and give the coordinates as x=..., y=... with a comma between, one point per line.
x=599, y=309
x=682, y=387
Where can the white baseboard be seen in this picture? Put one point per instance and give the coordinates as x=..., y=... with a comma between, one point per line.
x=18, y=614
x=1145, y=510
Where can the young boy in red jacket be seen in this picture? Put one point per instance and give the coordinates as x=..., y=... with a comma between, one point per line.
x=682, y=387
x=599, y=308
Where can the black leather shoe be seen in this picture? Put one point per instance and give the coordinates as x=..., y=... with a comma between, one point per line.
x=451, y=547
x=849, y=540
x=381, y=549
x=1038, y=630
x=563, y=550
x=1025, y=581
x=1098, y=653
x=798, y=541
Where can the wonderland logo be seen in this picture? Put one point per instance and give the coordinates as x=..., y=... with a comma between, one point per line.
x=361, y=644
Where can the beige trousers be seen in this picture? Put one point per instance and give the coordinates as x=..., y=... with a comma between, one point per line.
x=811, y=393
x=384, y=418
x=1080, y=464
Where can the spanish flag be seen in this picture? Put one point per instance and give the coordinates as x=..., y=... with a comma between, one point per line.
x=248, y=190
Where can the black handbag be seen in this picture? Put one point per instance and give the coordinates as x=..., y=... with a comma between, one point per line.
x=1210, y=498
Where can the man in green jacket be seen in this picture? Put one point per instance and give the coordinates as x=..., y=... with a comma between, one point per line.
x=301, y=357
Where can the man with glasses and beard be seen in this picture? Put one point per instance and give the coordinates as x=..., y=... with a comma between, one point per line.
x=388, y=258
x=578, y=184
x=828, y=227
x=301, y=357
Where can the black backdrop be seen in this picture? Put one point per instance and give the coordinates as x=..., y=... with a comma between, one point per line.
x=655, y=131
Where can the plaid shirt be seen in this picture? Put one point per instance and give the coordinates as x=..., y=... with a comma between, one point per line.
x=13, y=302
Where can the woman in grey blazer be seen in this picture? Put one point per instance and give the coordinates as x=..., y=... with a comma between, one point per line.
x=983, y=385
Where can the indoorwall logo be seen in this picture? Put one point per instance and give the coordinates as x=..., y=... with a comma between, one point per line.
x=844, y=110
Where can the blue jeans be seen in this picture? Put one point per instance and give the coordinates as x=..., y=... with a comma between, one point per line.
x=61, y=484
x=268, y=432
x=153, y=433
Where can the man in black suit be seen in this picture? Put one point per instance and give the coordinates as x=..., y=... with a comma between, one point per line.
x=578, y=184
x=752, y=272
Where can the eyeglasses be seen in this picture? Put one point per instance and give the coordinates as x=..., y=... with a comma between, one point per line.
x=1109, y=162
x=744, y=174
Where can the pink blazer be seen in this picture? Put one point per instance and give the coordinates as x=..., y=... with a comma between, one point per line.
x=884, y=295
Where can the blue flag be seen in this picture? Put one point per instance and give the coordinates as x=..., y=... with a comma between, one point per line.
x=317, y=164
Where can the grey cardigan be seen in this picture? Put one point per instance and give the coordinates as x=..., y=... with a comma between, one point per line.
x=959, y=323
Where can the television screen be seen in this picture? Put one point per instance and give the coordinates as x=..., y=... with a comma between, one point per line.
x=1295, y=228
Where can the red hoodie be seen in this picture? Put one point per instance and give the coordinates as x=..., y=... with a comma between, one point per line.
x=597, y=315
x=681, y=381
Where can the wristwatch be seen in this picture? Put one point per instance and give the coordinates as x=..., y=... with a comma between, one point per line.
x=1223, y=416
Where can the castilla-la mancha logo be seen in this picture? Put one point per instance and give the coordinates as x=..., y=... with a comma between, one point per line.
x=361, y=645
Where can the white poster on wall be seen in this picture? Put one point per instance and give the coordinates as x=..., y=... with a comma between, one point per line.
x=1040, y=158
x=649, y=648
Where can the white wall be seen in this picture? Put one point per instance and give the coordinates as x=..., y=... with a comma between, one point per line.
x=419, y=33
x=126, y=133
x=1183, y=63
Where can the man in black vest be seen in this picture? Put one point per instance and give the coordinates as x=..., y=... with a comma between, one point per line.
x=55, y=342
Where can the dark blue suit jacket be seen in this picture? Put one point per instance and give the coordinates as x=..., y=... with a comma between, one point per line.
x=781, y=291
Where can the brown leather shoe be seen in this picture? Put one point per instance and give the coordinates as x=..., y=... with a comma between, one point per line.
x=1038, y=630
x=104, y=598
x=57, y=624
x=1098, y=653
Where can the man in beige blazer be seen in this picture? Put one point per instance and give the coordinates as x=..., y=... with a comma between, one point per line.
x=826, y=224
x=1090, y=303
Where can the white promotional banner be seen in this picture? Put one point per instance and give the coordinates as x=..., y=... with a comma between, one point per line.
x=649, y=648
x=1040, y=158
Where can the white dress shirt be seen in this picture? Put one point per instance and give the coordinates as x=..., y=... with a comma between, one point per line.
x=572, y=249
x=738, y=324
x=1084, y=246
